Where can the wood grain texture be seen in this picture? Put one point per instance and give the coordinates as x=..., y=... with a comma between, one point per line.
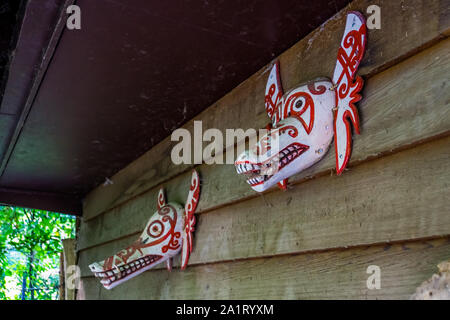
x=62, y=287
x=394, y=198
x=69, y=260
x=407, y=26
x=402, y=106
x=337, y=274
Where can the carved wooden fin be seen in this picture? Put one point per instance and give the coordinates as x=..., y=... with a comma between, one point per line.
x=161, y=199
x=189, y=222
x=347, y=88
x=274, y=93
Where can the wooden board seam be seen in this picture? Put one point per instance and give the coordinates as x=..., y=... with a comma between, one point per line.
x=316, y=176
x=314, y=251
x=405, y=56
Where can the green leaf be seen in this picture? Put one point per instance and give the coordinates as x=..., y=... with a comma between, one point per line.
x=30, y=243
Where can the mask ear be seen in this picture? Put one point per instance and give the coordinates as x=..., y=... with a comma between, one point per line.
x=189, y=218
x=161, y=199
x=274, y=92
x=347, y=88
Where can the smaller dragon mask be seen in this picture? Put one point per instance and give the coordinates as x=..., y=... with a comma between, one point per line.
x=167, y=233
x=305, y=119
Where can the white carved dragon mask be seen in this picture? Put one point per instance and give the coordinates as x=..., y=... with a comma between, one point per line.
x=168, y=232
x=305, y=119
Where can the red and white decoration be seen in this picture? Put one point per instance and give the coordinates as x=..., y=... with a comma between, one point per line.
x=167, y=233
x=349, y=57
x=305, y=119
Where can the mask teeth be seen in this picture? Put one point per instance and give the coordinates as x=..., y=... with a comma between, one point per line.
x=255, y=180
x=247, y=168
x=290, y=153
x=100, y=274
x=284, y=157
x=119, y=272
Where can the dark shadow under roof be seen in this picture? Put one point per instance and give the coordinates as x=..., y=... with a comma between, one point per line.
x=79, y=105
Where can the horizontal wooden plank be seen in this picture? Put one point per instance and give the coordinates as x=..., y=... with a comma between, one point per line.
x=395, y=113
x=406, y=28
x=398, y=197
x=340, y=274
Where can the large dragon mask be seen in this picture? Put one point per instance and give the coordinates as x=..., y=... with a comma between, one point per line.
x=168, y=232
x=305, y=119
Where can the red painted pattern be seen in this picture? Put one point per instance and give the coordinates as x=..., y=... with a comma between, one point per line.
x=348, y=88
x=189, y=222
x=125, y=254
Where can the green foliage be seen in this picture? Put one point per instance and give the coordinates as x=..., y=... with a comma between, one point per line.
x=36, y=235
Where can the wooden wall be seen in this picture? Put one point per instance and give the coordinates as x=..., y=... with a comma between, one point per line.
x=315, y=240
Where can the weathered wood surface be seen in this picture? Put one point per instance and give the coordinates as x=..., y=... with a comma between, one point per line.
x=69, y=260
x=407, y=26
x=394, y=198
x=62, y=287
x=337, y=274
x=402, y=106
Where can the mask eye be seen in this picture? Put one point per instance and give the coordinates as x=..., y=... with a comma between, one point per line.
x=302, y=107
x=298, y=104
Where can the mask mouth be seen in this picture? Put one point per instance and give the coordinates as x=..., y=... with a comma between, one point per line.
x=117, y=274
x=259, y=172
